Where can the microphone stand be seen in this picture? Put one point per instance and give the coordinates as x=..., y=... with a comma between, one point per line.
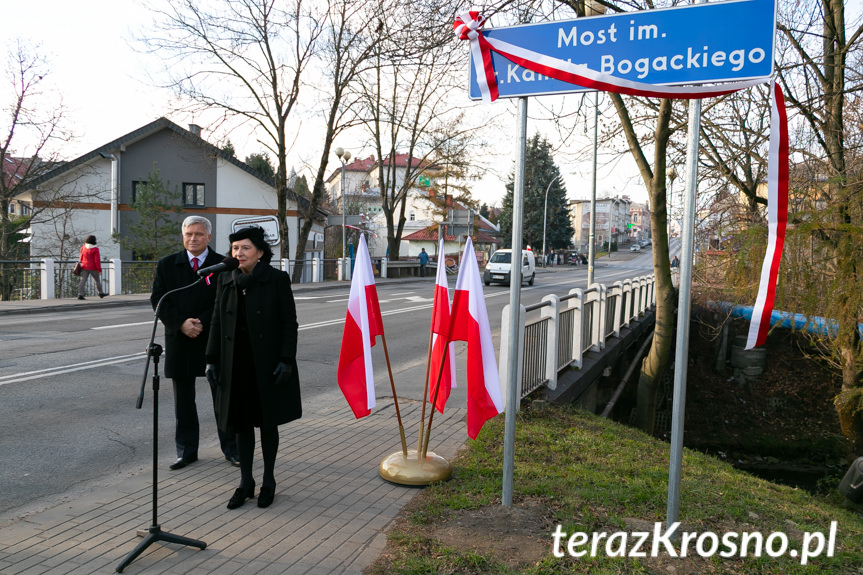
x=155, y=532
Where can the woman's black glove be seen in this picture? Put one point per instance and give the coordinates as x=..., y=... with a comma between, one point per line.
x=283, y=373
x=212, y=376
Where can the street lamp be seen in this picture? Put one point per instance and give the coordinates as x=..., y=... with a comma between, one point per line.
x=343, y=156
x=611, y=205
x=545, y=216
x=671, y=174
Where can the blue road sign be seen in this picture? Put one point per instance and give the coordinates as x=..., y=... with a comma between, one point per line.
x=693, y=44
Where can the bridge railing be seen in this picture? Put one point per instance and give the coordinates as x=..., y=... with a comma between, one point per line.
x=53, y=279
x=568, y=327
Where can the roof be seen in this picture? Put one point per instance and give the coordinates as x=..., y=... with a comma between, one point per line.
x=430, y=234
x=362, y=165
x=14, y=169
x=402, y=160
x=144, y=132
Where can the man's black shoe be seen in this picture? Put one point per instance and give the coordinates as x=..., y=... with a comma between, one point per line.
x=183, y=462
x=235, y=461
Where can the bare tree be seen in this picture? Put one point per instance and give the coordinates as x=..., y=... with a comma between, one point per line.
x=735, y=132
x=636, y=117
x=820, y=84
x=405, y=104
x=244, y=59
x=350, y=34
x=31, y=125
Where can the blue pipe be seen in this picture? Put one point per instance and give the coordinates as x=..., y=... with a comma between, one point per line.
x=788, y=320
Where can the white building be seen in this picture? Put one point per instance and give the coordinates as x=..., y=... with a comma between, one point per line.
x=94, y=194
x=612, y=219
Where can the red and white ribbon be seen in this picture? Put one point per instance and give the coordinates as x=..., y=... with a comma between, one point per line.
x=467, y=27
x=777, y=219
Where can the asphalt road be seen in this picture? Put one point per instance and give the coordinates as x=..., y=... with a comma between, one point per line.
x=69, y=380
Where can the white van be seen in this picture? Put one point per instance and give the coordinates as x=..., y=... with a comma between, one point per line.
x=499, y=267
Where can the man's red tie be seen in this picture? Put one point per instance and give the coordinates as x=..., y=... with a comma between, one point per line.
x=194, y=264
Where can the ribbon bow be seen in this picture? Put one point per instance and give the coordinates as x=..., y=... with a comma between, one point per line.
x=467, y=27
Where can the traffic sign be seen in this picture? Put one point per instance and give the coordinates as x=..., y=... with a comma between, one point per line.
x=270, y=225
x=693, y=44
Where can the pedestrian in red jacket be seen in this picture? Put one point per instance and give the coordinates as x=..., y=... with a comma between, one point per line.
x=91, y=266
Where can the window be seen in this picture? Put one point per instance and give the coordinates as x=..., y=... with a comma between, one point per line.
x=12, y=209
x=193, y=195
x=412, y=216
x=25, y=209
x=136, y=186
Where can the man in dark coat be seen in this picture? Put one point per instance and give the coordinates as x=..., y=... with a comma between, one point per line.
x=186, y=316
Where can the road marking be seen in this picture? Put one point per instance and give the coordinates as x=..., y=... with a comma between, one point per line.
x=122, y=325
x=59, y=370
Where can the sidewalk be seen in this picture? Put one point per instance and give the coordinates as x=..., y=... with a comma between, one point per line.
x=330, y=515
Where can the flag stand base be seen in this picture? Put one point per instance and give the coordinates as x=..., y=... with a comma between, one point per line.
x=396, y=468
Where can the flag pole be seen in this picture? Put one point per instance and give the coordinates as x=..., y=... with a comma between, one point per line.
x=420, y=450
x=395, y=397
x=425, y=389
x=434, y=399
x=422, y=470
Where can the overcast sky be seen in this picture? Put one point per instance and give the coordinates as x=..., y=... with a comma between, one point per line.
x=107, y=91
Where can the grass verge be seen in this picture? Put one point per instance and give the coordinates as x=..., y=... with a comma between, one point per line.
x=591, y=475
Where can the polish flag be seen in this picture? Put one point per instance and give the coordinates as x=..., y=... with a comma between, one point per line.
x=469, y=322
x=362, y=325
x=440, y=329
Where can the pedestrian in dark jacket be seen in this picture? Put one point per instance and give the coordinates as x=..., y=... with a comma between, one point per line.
x=91, y=266
x=252, y=353
x=186, y=316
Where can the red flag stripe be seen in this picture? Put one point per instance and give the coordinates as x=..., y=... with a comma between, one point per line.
x=351, y=370
x=469, y=322
x=439, y=391
x=363, y=323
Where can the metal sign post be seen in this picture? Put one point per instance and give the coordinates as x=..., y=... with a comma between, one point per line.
x=512, y=396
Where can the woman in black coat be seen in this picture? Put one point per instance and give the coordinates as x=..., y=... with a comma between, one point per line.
x=252, y=353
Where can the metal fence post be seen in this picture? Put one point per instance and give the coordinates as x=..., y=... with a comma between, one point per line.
x=47, y=276
x=115, y=277
x=617, y=294
x=506, y=348
x=551, y=312
x=602, y=308
x=384, y=267
x=627, y=296
x=577, y=325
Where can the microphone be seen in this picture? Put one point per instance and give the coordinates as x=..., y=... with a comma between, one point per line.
x=228, y=264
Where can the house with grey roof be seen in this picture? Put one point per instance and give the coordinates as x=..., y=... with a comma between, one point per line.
x=94, y=193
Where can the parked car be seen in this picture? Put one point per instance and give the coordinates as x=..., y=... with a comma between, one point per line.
x=635, y=248
x=500, y=265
